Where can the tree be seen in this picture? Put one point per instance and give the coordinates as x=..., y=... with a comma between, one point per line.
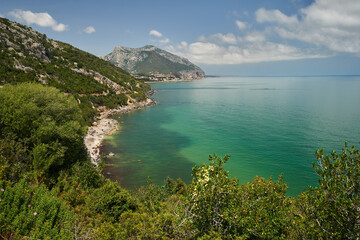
x=219, y=207
x=332, y=210
x=213, y=196
x=263, y=209
x=45, y=125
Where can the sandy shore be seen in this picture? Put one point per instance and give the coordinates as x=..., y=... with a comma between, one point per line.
x=105, y=125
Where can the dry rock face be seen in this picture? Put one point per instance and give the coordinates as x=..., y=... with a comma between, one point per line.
x=150, y=59
x=25, y=38
x=101, y=79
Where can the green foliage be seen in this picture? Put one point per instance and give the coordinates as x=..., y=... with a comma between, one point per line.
x=157, y=63
x=213, y=196
x=263, y=209
x=34, y=212
x=88, y=109
x=160, y=216
x=175, y=187
x=110, y=100
x=111, y=200
x=14, y=158
x=43, y=131
x=151, y=196
x=218, y=204
x=332, y=209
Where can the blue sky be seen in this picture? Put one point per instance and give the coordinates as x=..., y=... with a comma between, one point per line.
x=232, y=37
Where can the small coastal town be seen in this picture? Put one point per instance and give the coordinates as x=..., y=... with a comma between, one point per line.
x=156, y=76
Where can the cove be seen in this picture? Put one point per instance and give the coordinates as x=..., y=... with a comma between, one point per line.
x=268, y=125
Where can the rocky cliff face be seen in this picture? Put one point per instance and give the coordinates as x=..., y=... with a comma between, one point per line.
x=150, y=59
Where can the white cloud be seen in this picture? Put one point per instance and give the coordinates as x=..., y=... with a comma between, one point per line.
x=60, y=27
x=155, y=33
x=89, y=30
x=161, y=41
x=184, y=44
x=320, y=30
x=164, y=41
x=325, y=23
x=159, y=35
x=250, y=52
x=220, y=38
x=41, y=19
x=255, y=37
x=2, y=15
x=241, y=25
x=263, y=15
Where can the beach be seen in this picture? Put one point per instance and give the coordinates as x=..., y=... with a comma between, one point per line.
x=105, y=126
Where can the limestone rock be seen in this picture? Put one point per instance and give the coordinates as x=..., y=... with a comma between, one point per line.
x=150, y=60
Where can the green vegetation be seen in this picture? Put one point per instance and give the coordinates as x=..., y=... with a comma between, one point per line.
x=29, y=56
x=34, y=211
x=49, y=188
x=41, y=132
x=163, y=65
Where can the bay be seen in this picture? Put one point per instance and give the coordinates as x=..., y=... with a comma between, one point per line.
x=268, y=125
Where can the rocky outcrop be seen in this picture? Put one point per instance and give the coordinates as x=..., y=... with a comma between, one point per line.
x=150, y=59
x=26, y=40
x=101, y=79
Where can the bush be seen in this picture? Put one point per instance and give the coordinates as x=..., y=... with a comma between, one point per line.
x=213, y=196
x=44, y=126
x=218, y=205
x=34, y=212
x=332, y=209
x=263, y=210
x=111, y=201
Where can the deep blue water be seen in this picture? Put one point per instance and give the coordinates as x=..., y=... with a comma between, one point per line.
x=269, y=126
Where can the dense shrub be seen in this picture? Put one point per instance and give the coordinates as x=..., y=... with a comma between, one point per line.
x=218, y=205
x=34, y=212
x=263, y=210
x=40, y=128
x=332, y=210
x=111, y=200
x=213, y=196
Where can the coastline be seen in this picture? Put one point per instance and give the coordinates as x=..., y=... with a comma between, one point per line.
x=173, y=81
x=105, y=126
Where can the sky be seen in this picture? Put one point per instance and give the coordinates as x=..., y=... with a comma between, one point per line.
x=224, y=37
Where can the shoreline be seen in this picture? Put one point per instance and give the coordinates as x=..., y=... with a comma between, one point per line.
x=105, y=125
x=173, y=81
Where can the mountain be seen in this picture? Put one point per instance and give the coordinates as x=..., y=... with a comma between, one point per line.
x=29, y=56
x=150, y=59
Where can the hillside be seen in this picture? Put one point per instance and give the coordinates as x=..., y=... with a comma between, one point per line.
x=149, y=60
x=29, y=56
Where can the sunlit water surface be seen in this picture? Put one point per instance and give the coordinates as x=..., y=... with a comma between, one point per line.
x=269, y=126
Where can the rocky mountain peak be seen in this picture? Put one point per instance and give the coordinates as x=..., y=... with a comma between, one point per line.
x=149, y=59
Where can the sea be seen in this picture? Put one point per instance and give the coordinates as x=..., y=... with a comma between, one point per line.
x=268, y=125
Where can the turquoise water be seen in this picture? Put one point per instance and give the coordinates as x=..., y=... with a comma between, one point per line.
x=269, y=126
